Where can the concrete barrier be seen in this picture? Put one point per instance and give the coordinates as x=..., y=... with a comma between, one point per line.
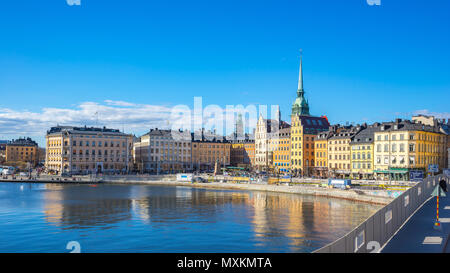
x=373, y=234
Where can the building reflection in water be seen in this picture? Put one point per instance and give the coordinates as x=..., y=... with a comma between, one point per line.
x=83, y=206
x=289, y=220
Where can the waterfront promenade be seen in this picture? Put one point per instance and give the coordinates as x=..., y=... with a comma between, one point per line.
x=381, y=197
x=418, y=235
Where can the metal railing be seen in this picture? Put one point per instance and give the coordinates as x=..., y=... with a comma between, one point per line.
x=373, y=234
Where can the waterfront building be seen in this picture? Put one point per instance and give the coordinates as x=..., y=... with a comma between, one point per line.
x=242, y=153
x=263, y=154
x=339, y=155
x=267, y=139
x=321, y=150
x=165, y=151
x=362, y=153
x=304, y=129
x=83, y=150
x=282, y=151
x=22, y=150
x=401, y=146
x=209, y=150
x=444, y=127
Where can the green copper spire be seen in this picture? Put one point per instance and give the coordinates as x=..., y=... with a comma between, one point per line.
x=300, y=106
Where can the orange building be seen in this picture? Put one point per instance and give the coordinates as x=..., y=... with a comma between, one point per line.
x=205, y=154
x=242, y=153
x=22, y=150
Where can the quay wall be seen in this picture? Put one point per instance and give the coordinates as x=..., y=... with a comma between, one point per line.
x=367, y=196
x=381, y=197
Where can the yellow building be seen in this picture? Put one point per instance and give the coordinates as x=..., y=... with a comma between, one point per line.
x=22, y=150
x=402, y=146
x=321, y=150
x=339, y=155
x=362, y=153
x=80, y=150
x=444, y=128
x=304, y=129
x=281, y=153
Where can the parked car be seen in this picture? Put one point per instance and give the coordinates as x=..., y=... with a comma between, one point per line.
x=200, y=180
x=23, y=174
x=66, y=175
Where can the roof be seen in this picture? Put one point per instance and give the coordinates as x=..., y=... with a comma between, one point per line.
x=406, y=125
x=74, y=129
x=22, y=142
x=365, y=136
x=314, y=125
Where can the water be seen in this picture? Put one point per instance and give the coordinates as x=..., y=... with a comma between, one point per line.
x=145, y=218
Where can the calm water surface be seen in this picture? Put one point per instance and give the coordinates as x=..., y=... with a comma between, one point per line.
x=144, y=218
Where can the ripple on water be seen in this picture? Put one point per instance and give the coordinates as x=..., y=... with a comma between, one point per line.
x=144, y=218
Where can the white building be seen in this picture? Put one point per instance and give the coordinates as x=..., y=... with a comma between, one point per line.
x=163, y=151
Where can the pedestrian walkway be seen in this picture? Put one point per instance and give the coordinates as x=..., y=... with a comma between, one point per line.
x=418, y=234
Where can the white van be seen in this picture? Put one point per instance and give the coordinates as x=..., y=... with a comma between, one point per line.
x=8, y=170
x=185, y=177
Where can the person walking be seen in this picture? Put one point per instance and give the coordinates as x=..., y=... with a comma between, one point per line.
x=443, y=185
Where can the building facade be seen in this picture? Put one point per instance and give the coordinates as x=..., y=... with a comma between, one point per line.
x=321, y=158
x=210, y=152
x=362, y=153
x=82, y=150
x=210, y=155
x=339, y=153
x=163, y=151
x=22, y=150
x=402, y=146
x=242, y=153
x=282, y=151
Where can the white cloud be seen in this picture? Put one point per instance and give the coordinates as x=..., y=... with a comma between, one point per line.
x=134, y=118
x=119, y=103
x=73, y=2
x=426, y=112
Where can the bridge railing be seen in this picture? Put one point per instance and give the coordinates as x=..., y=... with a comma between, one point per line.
x=378, y=229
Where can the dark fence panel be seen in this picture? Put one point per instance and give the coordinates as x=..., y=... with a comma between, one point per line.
x=381, y=226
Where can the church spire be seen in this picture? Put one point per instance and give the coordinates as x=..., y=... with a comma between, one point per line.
x=300, y=105
x=300, y=73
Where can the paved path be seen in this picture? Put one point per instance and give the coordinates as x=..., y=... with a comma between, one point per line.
x=418, y=234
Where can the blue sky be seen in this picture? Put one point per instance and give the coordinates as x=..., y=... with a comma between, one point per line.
x=361, y=63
